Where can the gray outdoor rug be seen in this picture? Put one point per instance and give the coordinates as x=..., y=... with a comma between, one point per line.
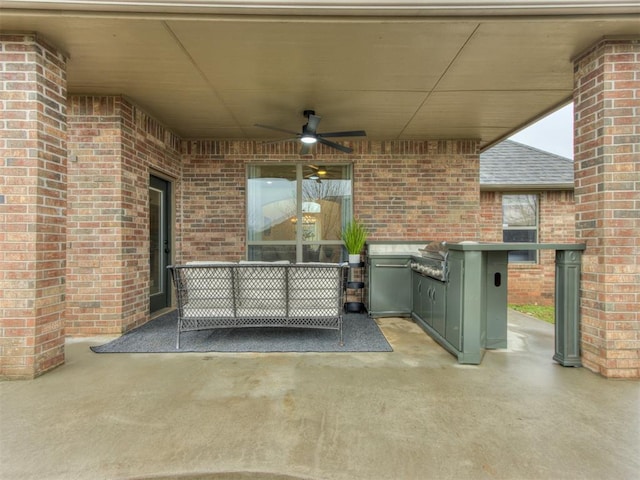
x=361, y=334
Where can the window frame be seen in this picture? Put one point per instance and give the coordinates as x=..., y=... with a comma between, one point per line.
x=516, y=256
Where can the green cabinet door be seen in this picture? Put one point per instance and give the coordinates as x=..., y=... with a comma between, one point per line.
x=390, y=291
x=421, y=302
x=438, y=304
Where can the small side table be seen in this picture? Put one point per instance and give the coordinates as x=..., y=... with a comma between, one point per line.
x=355, y=289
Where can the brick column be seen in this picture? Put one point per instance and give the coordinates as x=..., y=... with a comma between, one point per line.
x=607, y=192
x=32, y=206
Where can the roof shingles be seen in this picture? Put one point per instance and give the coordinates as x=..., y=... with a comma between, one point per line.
x=513, y=164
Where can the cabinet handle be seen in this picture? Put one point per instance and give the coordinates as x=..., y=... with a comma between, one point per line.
x=383, y=265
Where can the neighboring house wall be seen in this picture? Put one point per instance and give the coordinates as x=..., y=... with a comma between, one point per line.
x=533, y=283
x=113, y=147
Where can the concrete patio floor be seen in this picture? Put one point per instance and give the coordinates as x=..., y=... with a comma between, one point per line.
x=410, y=414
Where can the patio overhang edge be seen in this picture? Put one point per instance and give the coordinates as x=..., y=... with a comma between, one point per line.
x=333, y=7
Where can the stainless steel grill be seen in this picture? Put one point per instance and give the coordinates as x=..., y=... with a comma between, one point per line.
x=433, y=261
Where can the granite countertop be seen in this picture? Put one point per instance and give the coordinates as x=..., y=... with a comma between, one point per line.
x=493, y=247
x=400, y=248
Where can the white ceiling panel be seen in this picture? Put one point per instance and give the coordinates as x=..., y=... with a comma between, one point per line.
x=472, y=75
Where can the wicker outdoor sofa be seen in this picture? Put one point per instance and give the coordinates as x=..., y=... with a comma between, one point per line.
x=259, y=294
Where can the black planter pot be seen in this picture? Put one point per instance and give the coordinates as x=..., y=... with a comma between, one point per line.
x=353, y=307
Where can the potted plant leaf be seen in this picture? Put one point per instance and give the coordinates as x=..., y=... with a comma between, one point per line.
x=354, y=237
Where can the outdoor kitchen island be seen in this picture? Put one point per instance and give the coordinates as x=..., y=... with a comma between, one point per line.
x=457, y=292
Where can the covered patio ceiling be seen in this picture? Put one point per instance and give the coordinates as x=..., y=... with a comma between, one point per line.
x=400, y=71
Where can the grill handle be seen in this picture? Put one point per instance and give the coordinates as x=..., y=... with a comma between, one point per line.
x=390, y=265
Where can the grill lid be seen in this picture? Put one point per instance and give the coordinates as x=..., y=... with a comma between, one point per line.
x=435, y=250
x=393, y=248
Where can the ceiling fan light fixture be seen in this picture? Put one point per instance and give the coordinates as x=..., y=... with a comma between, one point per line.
x=321, y=171
x=310, y=135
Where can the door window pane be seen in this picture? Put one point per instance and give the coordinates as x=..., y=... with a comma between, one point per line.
x=322, y=253
x=156, y=230
x=271, y=193
x=297, y=211
x=272, y=253
x=326, y=193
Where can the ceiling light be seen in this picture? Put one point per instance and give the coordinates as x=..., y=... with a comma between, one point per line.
x=321, y=171
x=309, y=139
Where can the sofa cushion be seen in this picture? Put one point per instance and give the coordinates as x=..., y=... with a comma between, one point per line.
x=209, y=262
x=200, y=311
x=315, y=292
x=261, y=290
x=263, y=262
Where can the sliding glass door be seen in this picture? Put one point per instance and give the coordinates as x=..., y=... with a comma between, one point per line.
x=296, y=212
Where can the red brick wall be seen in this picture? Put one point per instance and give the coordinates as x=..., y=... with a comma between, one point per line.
x=147, y=147
x=607, y=152
x=212, y=217
x=418, y=190
x=32, y=206
x=113, y=146
x=402, y=190
x=533, y=284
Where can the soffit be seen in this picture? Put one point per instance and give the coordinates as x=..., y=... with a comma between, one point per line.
x=215, y=76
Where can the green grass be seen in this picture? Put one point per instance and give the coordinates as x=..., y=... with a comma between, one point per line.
x=543, y=313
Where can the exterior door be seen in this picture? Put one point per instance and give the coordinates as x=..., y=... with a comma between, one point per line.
x=159, y=243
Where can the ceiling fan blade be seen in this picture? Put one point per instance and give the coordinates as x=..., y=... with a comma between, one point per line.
x=312, y=124
x=337, y=146
x=306, y=149
x=352, y=133
x=278, y=129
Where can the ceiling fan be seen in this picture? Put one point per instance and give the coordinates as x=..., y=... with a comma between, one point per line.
x=310, y=135
x=318, y=173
